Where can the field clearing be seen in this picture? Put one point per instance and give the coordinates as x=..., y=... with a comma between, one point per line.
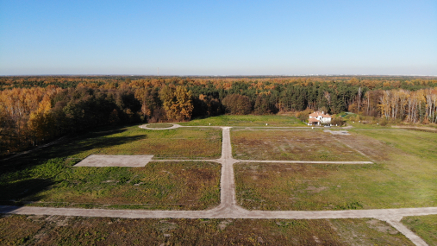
x=181, y=185
x=424, y=226
x=301, y=145
x=159, y=125
x=174, y=143
x=59, y=230
x=247, y=120
x=404, y=176
x=418, y=143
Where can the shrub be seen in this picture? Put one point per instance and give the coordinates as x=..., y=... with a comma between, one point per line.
x=304, y=115
x=338, y=121
x=237, y=104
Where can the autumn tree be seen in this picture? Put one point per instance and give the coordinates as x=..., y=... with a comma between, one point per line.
x=237, y=104
x=177, y=102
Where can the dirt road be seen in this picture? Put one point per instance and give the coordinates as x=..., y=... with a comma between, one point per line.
x=229, y=208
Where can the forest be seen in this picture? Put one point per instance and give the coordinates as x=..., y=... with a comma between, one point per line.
x=35, y=110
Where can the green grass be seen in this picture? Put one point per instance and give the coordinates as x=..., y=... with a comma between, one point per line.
x=404, y=176
x=247, y=120
x=301, y=144
x=182, y=142
x=59, y=230
x=180, y=185
x=47, y=175
x=424, y=226
x=416, y=143
x=159, y=125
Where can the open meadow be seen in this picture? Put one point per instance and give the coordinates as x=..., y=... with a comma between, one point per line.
x=47, y=177
x=173, y=143
x=60, y=230
x=247, y=121
x=159, y=125
x=291, y=144
x=180, y=185
x=404, y=175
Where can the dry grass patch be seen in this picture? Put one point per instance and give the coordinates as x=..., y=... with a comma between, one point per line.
x=371, y=147
x=368, y=232
x=18, y=230
x=404, y=176
x=59, y=230
x=303, y=145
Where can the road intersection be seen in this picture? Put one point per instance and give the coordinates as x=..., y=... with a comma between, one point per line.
x=229, y=207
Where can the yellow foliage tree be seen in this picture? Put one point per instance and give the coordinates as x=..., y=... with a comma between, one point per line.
x=177, y=102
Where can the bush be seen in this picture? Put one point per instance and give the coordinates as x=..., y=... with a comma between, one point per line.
x=237, y=104
x=338, y=121
x=304, y=115
x=383, y=122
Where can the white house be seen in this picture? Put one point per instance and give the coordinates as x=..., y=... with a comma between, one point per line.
x=319, y=118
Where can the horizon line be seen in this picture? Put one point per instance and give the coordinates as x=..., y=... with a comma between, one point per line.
x=259, y=75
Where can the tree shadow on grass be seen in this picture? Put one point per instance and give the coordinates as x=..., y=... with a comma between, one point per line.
x=17, y=180
x=67, y=148
x=17, y=193
x=76, y=147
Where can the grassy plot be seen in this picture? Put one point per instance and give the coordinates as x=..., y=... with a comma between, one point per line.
x=247, y=120
x=423, y=226
x=181, y=185
x=302, y=145
x=190, y=143
x=47, y=175
x=58, y=230
x=418, y=143
x=18, y=230
x=185, y=142
x=405, y=176
x=159, y=125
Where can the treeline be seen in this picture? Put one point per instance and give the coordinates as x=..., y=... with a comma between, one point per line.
x=412, y=106
x=29, y=117
x=113, y=82
x=33, y=114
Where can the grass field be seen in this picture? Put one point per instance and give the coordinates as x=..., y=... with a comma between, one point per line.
x=186, y=142
x=247, y=120
x=181, y=185
x=159, y=125
x=47, y=175
x=404, y=176
x=58, y=230
x=299, y=144
x=423, y=226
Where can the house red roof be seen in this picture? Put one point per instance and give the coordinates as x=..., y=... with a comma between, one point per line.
x=318, y=113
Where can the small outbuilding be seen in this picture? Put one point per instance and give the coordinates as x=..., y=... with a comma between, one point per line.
x=319, y=118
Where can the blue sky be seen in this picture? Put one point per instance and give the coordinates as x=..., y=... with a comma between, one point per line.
x=218, y=37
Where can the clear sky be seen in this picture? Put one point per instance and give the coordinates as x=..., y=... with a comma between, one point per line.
x=212, y=37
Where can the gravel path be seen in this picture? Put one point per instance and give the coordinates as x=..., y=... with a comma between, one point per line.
x=174, y=126
x=224, y=211
x=229, y=208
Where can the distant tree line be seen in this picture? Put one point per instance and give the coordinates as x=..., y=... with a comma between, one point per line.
x=34, y=110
